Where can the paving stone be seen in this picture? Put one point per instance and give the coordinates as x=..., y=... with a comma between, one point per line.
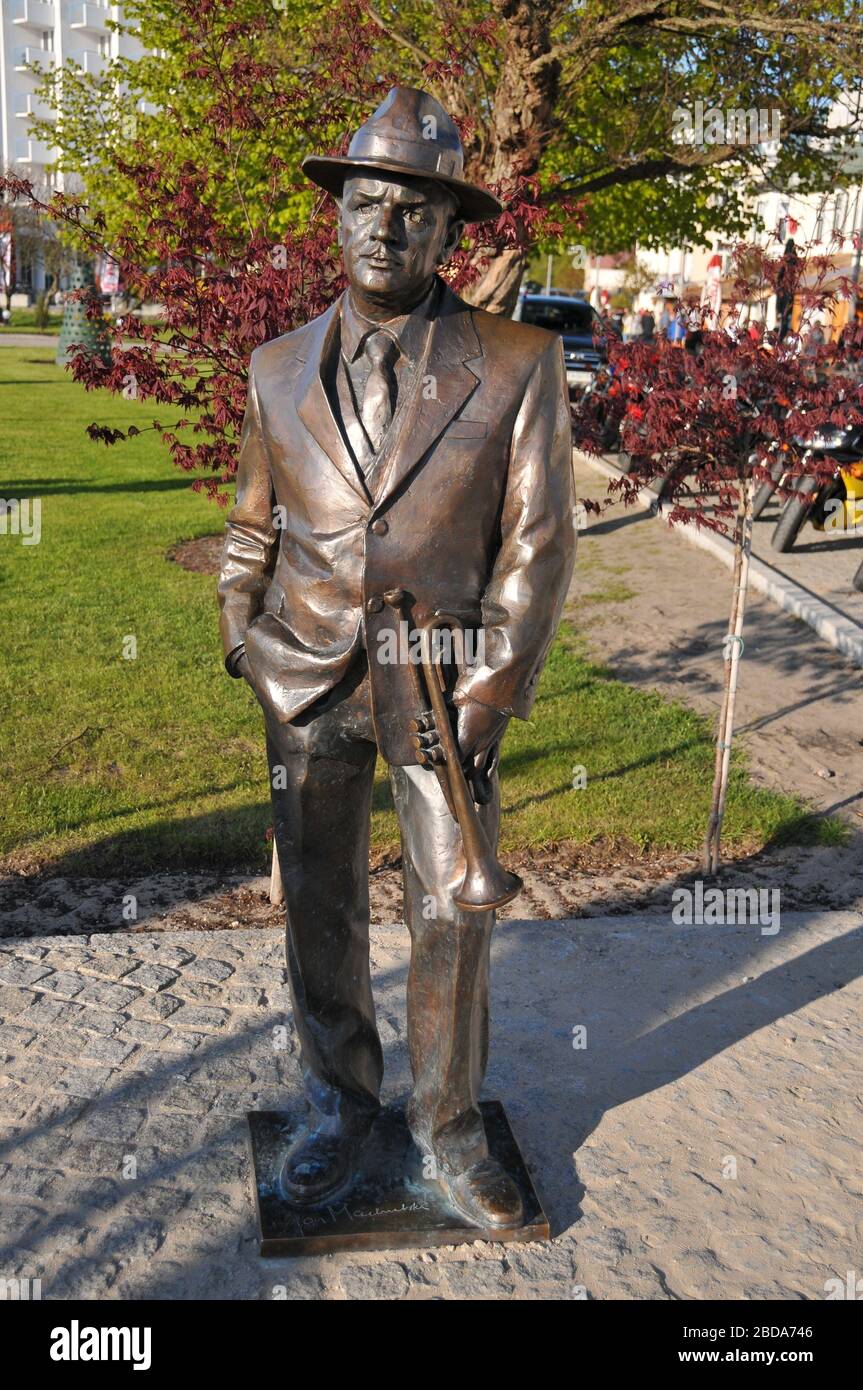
x=47, y=1110
x=27, y=1181
x=189, y=1096
x=51, y=1013
x=293, y=1289
x=84, y=1081
x=644, y=1121
x=96, y=1156
x=165, y=952
x=138, y=1030
x=84, y=1278
x=107, y=996
x=198, y=1016
x=108, y=963
x=152, y=976
x=13, y=1000
x=66, y=983
x=148, y=1199
x=172, y=1131
x=377, y=1281
x=199, y=991
x=101, y=1022
x=245, y=996
x=155, y=1006
x=133, y=1239
x=111, y=1051
x=479, y=1279
x=40, y=1073
x=62, y=1042
x=113, y=1122
x=21, y=972
x=16, y=1038
x=207, y=968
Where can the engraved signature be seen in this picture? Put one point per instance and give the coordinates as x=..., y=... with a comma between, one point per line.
x=343, y=1213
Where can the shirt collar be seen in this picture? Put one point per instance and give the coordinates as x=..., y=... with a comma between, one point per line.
x=408, y=330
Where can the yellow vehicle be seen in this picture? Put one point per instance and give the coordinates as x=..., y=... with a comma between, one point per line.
x=831, y=504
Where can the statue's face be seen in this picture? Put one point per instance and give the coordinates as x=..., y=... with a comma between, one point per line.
x=395, y=233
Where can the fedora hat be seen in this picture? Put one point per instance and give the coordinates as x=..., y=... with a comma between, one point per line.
x=410, y=133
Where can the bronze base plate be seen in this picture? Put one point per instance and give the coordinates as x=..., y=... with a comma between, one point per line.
x=389, y=1204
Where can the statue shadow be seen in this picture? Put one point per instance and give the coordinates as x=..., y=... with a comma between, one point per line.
x=601, y=977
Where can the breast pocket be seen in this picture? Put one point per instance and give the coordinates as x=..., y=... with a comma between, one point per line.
x=467, y=429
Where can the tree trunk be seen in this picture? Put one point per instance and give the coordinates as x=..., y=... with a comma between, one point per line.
x=517, y=133
x=497, y=287
x=734, y=650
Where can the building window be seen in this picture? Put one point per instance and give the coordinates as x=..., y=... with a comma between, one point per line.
x=46, y=40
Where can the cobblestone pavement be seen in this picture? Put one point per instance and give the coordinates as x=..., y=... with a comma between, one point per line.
x=705, y=1143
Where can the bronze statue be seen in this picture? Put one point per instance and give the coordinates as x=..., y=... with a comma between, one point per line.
x=404, y=468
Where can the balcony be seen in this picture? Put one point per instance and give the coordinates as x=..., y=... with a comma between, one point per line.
x=28, y=107
x=88, y=18
x=29, y=151
x=90, y=60
x=34, y=14
x=23, y=57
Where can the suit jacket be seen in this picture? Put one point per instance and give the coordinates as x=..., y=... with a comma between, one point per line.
x=472, y=513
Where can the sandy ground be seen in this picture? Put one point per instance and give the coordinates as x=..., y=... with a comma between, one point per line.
x=799, y=701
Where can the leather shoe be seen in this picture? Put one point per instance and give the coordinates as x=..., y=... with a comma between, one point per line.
x=486, y=1194
x=317, y=1165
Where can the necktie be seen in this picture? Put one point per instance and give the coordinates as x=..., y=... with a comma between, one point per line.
x=380, y=394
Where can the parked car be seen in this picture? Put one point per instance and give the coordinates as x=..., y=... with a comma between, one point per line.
x=583, y=331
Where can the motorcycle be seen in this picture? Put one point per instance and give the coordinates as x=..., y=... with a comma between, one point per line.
x=832, y=503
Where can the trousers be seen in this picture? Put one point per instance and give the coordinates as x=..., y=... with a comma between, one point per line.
x=321, y=776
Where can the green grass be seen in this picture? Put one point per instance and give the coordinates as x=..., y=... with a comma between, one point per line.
x=115, y=765
x=24, y=321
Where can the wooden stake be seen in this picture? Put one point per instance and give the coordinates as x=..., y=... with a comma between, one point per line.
x=277, y=888
x=733, y=653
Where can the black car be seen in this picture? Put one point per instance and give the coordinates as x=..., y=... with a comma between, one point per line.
x=583, y=332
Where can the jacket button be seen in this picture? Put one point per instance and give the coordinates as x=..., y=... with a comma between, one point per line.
x=380, y=527
x=374, y=604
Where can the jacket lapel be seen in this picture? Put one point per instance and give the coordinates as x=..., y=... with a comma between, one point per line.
x=313, y=405
x=453, y=344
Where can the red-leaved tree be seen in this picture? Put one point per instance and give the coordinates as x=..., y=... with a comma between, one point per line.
x=726, y=408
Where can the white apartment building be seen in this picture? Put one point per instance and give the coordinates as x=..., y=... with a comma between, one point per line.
x=51, y=33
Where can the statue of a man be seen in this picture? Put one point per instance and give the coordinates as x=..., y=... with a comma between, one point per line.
x=402, y=441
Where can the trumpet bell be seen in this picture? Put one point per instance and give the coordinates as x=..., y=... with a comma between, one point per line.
x=486, y=888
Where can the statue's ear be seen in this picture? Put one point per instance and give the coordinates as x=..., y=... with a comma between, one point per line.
x=455, y=232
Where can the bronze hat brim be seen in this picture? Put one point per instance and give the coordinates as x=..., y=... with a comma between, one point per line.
x=329, y=172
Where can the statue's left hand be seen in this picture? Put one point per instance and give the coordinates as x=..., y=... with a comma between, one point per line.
x=478, y=728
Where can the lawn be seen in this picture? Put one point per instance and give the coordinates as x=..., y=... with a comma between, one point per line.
x=24, y=321
x=114, y=764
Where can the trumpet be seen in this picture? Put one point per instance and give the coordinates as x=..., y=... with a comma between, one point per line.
x=486, y=884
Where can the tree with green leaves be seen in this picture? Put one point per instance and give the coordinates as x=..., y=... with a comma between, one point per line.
x=596, y=92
